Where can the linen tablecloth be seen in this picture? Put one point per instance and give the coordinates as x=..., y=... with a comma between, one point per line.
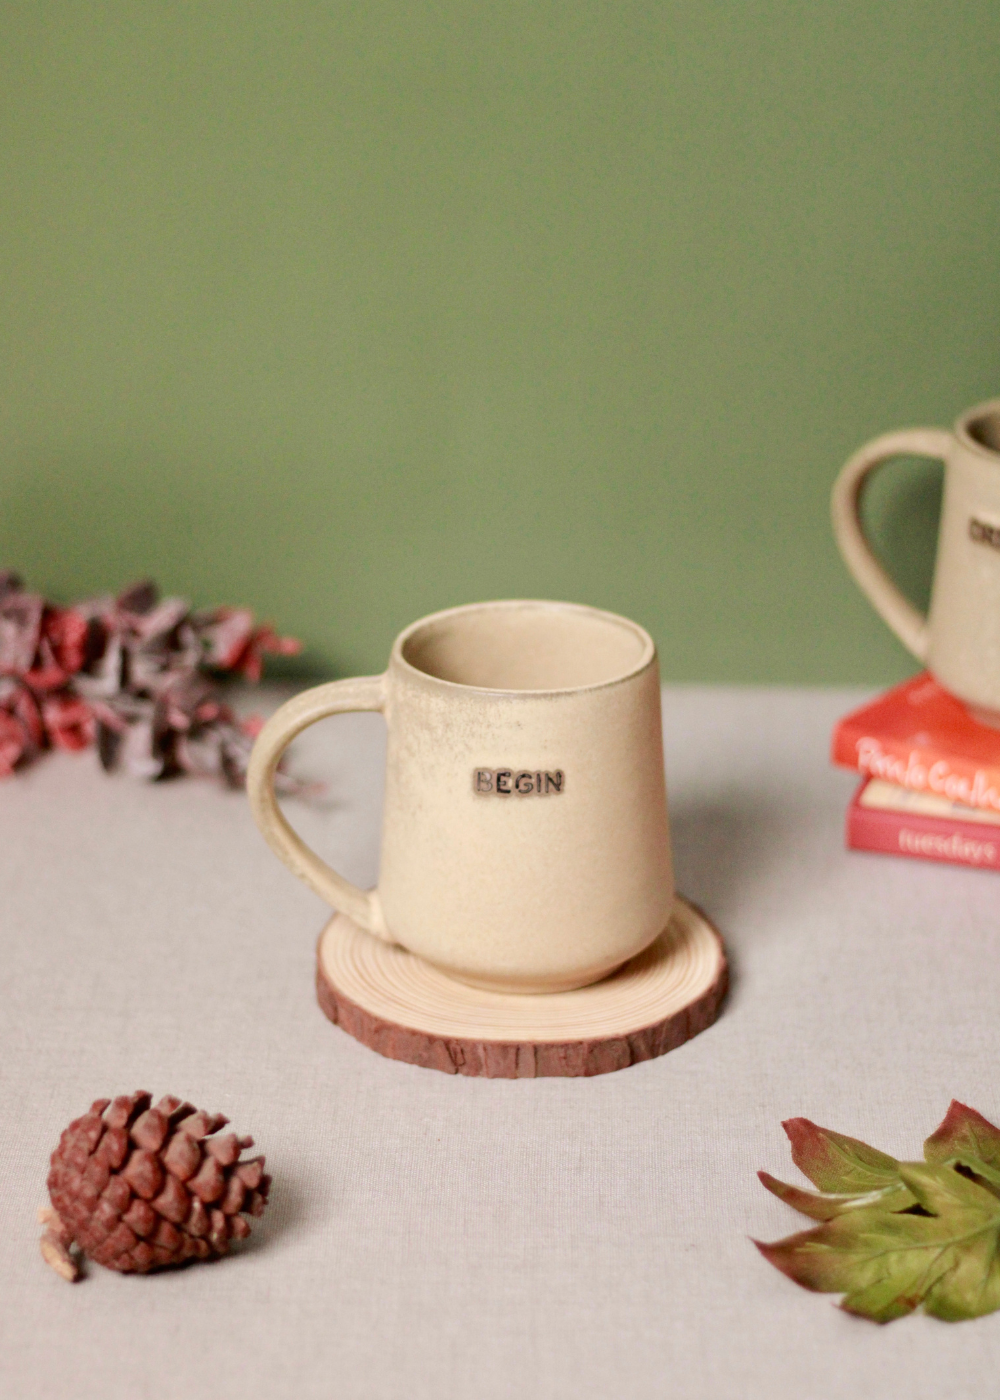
x=434, y=1236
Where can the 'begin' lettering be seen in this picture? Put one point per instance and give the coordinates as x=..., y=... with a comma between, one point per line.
x=518, y=782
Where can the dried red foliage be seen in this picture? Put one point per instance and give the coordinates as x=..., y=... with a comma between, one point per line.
x=136, y=674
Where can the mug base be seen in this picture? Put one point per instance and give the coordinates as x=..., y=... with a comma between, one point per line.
x=406, y=1009
x=556, y=985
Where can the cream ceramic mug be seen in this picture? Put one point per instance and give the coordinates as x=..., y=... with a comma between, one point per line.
x=525, y=844
x=959, y=639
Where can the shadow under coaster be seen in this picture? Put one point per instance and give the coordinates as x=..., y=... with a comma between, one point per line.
x=403, y=1007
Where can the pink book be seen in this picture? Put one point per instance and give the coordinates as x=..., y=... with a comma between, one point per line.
x=901, y=822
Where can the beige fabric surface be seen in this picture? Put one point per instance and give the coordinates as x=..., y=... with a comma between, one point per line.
x=436, y=1237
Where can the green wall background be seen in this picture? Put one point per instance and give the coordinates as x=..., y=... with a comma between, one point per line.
x=352, y=312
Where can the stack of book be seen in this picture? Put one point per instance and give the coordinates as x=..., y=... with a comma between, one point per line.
x=931, y=785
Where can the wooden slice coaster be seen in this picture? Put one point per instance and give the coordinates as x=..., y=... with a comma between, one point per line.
x=406, y=1009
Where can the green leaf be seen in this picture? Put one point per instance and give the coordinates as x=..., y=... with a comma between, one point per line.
x=964, y=1132
x=824, y=1206
x=939, y=1250
x=834, y=1162
x=889, y=1262
x=867, y=1255
x=969, y=1216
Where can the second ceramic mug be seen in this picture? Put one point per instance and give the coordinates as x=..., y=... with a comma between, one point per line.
x=525, y=844
x=959, y=640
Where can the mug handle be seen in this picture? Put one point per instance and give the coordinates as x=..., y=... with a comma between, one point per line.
x=334, y=698
x=908, y=623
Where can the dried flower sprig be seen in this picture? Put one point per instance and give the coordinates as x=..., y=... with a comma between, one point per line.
x=135, y=674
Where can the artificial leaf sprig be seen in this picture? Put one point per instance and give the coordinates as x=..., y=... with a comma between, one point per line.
x=895, y=1236
x=134, y=674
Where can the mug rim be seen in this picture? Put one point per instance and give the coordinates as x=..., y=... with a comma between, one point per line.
x=647, y=658
x=965, y=436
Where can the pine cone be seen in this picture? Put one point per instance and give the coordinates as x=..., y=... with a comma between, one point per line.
x=140, y=1188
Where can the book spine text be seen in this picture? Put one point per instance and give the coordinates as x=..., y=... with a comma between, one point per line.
x=924, y=838
x=921, y=770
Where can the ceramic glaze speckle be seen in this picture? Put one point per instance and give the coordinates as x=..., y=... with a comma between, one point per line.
x=513, y=892
x=960, y=638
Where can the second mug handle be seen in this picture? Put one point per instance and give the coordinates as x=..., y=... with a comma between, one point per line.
x=908, y=623
x=334, y=698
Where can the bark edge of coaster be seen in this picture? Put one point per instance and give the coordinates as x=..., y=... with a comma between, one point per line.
x=404, y=1008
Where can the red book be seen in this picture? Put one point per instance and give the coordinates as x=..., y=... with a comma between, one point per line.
x=918, y=736
x=901, y=822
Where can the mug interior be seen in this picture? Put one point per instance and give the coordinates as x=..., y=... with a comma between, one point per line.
x=526, y=646
x=983, y=427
